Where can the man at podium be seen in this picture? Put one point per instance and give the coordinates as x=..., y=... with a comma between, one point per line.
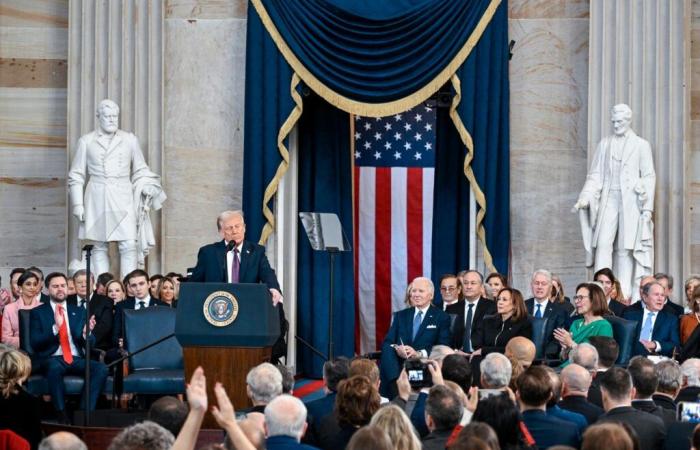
x=235, y=260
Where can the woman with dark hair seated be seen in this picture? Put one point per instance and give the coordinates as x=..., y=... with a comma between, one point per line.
x=608, y=281
x=591, y=307
x=511, y=320
x=496, y=282
x=501, y=414
x=19, y=410
x=29, y=288
x=355, y=403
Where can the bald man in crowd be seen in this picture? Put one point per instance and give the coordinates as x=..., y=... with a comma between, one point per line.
x=576, y=381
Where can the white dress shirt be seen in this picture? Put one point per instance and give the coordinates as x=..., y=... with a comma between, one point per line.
x=146, y=302
x=543, y=307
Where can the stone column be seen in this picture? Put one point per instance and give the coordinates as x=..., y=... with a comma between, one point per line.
x=639, y=55
x=116, y=52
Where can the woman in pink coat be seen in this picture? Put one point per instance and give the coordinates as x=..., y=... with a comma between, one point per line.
x=28, y=299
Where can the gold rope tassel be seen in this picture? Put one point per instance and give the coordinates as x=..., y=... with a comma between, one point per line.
x=468, y=172
x=284, y=131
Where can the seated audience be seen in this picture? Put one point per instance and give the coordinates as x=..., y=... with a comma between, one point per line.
x=690, y=284
x=542, y=306
x=456, y=368
x=511, y=320
x=288, y=378
x=616, y=388
x=366, y=368
x=608, y=351
x=670, y=380
x=144, y=435
x=576, y=381
x=608, y=436
x=657, y=330
x=690, y=388
x=585, y=355
x=476, y=431
x=138, y=299
x=645, y=381
x=264, y=382
x=439, y=352
x=497, y=282
x=100, y=308
x=169, y=412
x=153, y=283
x=19, y=410
x=166, y=292
x=691, y=320
x=534, y=390
x=554, y=410
x=101, y=285
x=666, y=281
x=370, y=438
x=394, y=421
x=443, y=412
x=469, y=310
x=115, y=291
x=15, y=288
x=450, y=290
x=590, y=306
x=413, y=332
x=334, y=372
x=495, y=371
x=43, y=297
x=607, y=280
x=285, y=423
x=521, y=353
x=253, y=427
x=356, y=402
x=502, y=415
x=29, y=287
x=58, y=335
x=696, y=438
x=63, y=440
x=558, y=295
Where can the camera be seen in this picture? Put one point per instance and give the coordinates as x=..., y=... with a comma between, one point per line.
x=688, y=412
x=418, y=373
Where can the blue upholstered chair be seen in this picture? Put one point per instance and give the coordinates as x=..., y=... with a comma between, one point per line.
x=624, y=332
x=539, y=325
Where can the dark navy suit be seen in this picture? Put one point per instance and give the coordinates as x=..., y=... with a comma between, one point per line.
x=434, y=330
x=285, y=443
x=45, y=343
x=549, y=430
x=558, y=318
x=665, y=331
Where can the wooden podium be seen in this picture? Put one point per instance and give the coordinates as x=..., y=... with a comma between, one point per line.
x=227, y=329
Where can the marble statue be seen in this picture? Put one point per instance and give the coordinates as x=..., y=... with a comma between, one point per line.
x=112, y=191
x=616, y=204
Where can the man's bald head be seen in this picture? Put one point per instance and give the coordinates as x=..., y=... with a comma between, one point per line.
x=521, y=349
x=576, y=380
x=62, y=440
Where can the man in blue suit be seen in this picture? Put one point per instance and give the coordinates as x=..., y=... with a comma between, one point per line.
x=413, y=333
x=58, y=332
x=285, y=424
x=657, y=330
x=542, y=306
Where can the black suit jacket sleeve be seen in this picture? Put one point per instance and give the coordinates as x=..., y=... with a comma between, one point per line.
x=102, y=308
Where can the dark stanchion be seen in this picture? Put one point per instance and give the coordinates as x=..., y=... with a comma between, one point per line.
x=88, y=331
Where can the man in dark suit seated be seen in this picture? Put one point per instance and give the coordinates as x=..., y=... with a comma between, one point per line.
x=657, y=331
x=101, y=307
x=616, y=388
x=58, y=334
x=607, y=353
x=236, y=260
x=670, y=381
x=469, y=311
x=690, y=388
x=443, y=412
x=575, y=382
x=533, y=391
x=285, y=424
x=333, y=373
x=413, y=333
x=666, y=281
x=139, y=284
x=645, y=381
x=541, y=306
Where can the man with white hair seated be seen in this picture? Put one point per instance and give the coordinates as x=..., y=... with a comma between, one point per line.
x=264, y=383
x=576, y=381
x=585, y=355
x=62, y=440
x=495, y=371
x=285, y=423
x=691, y=381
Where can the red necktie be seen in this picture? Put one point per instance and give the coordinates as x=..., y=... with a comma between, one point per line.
x=63, y=338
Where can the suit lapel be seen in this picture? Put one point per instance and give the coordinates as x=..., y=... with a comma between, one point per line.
x=429, y=314
x=221, y=259
x=245, y=260
x=548, y=309
x=657, y=324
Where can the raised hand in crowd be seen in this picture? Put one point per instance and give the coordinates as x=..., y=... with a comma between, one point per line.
x=197, y=400
x=225, y=416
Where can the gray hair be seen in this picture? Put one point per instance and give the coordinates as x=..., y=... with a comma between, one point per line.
x=664, y=276
x=106, y=103
x=647, y=287
x=623, y=109
x=146, y=434
x=547, y=274
x=265, y=383
x=576, y=377
x=691, y=371
x=62, y=440
x=585, y=355
x=496, y=370
x=285, y=415
x=431, y=286
x=439, y=352
x=225, y=215
x=670, y=376
x=691, y=279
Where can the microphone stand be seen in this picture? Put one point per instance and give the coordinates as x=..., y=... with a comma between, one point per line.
x=88, y=331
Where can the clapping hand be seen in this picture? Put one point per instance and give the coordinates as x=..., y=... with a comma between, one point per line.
x=564, y=337
x=224, y=413
x=197, y=391
x=92, y=325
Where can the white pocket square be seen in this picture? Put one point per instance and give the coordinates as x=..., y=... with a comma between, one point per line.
x=431, y=326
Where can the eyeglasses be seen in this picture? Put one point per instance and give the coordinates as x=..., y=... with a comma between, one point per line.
x=578, y=298
x=448, y=288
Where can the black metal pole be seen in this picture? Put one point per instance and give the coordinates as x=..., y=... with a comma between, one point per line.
x=88, y=282
x=332, y=251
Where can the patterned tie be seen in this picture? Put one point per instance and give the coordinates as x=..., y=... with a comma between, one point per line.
x=468, y=330
x=647, y=327
x=416, y=323
x=63, y=338
x=235, y=266
x=538, y=313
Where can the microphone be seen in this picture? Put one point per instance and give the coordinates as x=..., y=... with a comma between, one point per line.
x=230, y=246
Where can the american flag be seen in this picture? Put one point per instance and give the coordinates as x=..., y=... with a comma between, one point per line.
x=393, y=205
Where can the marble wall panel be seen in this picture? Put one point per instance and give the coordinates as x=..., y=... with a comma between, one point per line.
x=694, y=171
x=32, y=73
x=34, y=13
x=206, y=9
x=549, y=77
x=31, y=42
x=203, y=156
